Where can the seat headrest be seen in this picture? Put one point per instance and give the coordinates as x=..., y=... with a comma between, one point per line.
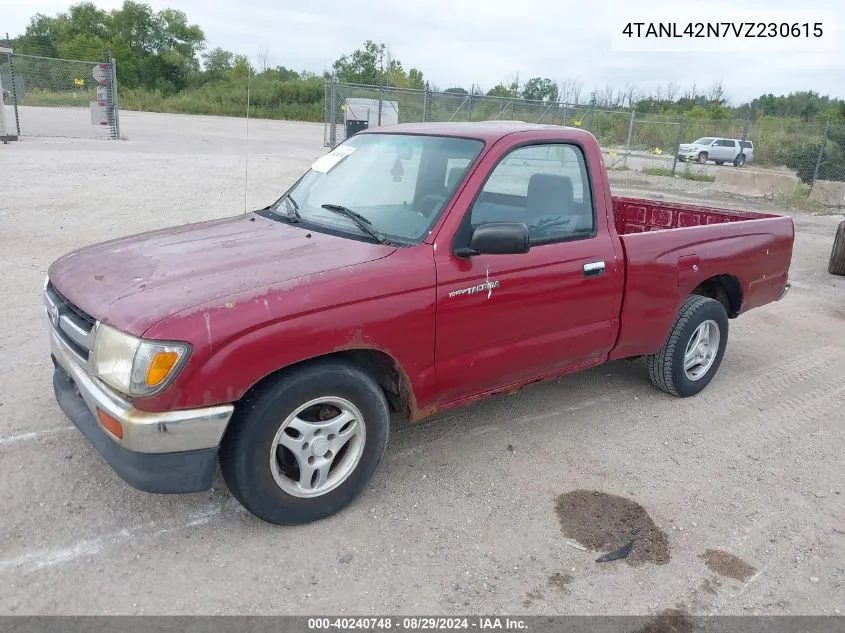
x=550, y=193
x=454, y=177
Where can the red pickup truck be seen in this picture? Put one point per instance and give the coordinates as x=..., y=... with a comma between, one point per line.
x=412, y=269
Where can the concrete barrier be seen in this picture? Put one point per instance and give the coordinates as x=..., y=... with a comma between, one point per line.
x=749, y=182
x=828, y=192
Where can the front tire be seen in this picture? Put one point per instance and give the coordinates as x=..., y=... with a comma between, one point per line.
x=303, y=446
x=702, y=157
x=694, y=349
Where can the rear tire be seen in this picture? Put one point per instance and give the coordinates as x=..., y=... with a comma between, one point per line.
x=694, y=349
x=836, y=265
x=303, y=446
x=719, y=162
x=739, y=161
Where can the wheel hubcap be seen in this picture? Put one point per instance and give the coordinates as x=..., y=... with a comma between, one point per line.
x=317, y=447
x=701, y=350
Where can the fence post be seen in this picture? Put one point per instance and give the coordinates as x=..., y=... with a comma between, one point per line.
x=115, y=99
x=564, y=113
x=821, y=151
x=471, y=92
x=678, y=143
x=333, y=111
x=592, y=110
x=380, y=98
x=14, y=88
x=745, y=126
x=630, y=135
x=427, y=103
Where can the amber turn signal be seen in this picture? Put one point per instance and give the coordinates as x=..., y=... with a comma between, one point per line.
x=110, y=424
x=160, y=367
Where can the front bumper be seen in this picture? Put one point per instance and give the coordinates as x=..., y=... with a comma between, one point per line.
x=168, y=452
x=784, y=291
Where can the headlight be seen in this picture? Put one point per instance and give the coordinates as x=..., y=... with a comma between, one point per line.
x=134, y=366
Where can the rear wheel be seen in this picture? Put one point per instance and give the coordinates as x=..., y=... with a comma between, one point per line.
x=303, y=446
x=694, y=349
x=719, y=162
x=739, y=161
x=836, y=265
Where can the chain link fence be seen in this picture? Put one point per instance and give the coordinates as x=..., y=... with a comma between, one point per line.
x=809, y=150
x=60, y=97
x=352, y=107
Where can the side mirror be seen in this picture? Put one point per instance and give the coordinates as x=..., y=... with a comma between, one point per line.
x=498, y=238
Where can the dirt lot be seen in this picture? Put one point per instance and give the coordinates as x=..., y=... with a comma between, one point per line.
x=740, y=489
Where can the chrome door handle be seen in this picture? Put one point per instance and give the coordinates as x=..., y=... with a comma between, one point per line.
x=594, y=269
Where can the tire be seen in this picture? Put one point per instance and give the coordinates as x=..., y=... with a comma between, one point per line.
x=739, y=161
x=666, y=367
x=702, y=157
x=719, y=162
x=268, y=481
x=836, y=265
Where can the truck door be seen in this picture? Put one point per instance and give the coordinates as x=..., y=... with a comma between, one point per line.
x=503, y=319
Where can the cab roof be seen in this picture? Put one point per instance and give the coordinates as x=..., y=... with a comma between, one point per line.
x=489, y=131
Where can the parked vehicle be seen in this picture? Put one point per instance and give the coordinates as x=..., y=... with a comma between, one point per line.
x=410, y=270
x=718, y=150
x=836, y=263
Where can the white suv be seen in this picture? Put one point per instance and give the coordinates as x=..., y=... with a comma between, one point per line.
x=718, y=150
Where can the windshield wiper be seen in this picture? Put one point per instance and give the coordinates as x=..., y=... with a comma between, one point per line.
x=360, y=221
x=292, y=215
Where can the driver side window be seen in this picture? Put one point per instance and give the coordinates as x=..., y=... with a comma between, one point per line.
x=546, y=187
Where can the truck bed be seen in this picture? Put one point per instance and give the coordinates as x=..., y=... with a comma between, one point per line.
x=672, y=249
x=636, y=215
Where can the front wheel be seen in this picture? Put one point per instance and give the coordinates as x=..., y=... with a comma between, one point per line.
x=702, y=157
x=693, y=352
x=303, y=446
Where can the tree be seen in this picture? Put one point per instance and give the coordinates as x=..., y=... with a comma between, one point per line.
x=156, y=50
x=501, y=90
x=457, y=91
x=218, y=62
x=241, y=67
x=362, y=66
x=540, y=89
x=415, y=79
x=263, y=60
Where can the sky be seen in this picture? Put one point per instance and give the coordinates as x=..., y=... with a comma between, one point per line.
x=463, y=42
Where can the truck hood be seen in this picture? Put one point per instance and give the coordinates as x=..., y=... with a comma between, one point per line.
x=134, y=282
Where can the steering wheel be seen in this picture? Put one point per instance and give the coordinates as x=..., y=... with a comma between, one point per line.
x=430, y=203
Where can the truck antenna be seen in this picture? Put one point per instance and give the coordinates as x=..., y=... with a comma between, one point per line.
x=246, y=156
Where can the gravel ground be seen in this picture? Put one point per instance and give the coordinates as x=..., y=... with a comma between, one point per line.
x=744, y=481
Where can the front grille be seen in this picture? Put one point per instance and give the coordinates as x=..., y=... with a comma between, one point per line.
x=74, y=326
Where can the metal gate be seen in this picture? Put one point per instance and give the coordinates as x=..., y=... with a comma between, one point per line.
x=51, y=97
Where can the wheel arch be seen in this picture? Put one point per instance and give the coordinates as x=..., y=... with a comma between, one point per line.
x=379, y=365
x=724, y=288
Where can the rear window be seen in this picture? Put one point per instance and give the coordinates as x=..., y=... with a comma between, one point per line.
x=747, y=144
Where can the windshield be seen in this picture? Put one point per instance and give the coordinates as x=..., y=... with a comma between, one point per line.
x=703, y=141
x=398, y=184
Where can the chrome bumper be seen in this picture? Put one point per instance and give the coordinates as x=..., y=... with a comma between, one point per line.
x=144, y=432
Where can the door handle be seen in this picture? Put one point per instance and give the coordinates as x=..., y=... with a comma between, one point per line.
x=594, y=269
